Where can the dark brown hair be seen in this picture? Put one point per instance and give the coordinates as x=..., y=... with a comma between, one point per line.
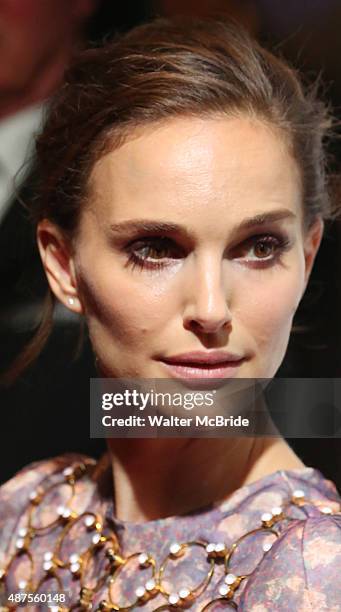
x=167, y=68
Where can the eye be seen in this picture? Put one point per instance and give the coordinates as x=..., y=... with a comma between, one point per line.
x=151, y=252
x=262, y=250
x=265, y=247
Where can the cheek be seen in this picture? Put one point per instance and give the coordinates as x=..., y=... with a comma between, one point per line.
x=125, y=306
x=267, y=307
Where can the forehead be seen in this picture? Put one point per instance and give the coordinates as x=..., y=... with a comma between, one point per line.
x=188, y=166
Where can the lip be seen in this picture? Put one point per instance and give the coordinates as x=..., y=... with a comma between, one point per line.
x=203, y=367
x=203, y=358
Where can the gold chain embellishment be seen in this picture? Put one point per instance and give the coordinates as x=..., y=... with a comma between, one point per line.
x=106, y=543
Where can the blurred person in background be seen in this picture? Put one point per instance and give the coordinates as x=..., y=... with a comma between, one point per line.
x=37, y=40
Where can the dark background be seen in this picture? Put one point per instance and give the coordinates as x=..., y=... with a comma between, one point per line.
x=46, y=412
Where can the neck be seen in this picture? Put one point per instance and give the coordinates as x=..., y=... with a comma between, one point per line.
x=156, y=478
x=45, y=80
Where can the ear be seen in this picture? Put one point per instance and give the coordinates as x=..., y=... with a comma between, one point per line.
x=56, y=255
x=312, y=241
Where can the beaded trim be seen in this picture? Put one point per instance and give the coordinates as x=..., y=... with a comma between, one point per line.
x=216, y=553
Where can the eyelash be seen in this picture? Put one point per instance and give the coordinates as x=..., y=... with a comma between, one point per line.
x=282, y=243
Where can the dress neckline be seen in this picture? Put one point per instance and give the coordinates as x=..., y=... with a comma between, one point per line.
x=289, y=479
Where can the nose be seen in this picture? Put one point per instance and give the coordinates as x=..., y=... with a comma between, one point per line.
x=207, y=307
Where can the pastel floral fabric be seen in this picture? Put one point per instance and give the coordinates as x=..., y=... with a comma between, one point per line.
x=294, y=566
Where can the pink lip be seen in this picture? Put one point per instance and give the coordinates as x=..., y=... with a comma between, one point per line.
x=203, y=358
x=205, y=366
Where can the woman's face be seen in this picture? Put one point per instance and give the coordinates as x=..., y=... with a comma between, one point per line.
x=193, y=241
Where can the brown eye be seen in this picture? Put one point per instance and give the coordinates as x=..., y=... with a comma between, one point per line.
x=264, y=249
x=261, y=250
x=152, y=249
x=153, y=253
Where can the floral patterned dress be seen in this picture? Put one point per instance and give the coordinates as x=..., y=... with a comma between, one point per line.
x=274, y=545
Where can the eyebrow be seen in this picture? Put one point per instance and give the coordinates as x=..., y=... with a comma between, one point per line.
x=152, y=227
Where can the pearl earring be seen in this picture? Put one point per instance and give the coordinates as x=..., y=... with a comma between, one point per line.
x=71, y=301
